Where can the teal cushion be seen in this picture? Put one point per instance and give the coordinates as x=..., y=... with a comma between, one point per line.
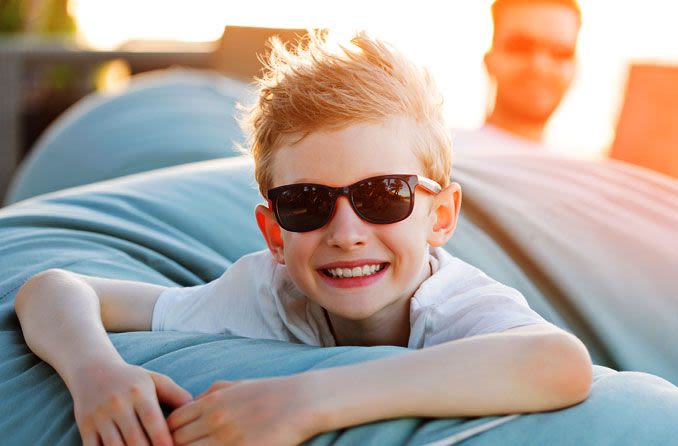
x=183, y=226
x=162, y=119
x=591, y=244
x=597, y=238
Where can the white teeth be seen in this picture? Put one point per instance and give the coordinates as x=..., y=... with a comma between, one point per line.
x=358, y=271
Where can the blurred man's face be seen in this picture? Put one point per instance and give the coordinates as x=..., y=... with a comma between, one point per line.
x=532, y=59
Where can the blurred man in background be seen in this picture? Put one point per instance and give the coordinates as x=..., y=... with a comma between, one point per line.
x=531, y=63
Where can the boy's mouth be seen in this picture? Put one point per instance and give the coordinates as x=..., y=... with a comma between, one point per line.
x=353, y=274
x=356, y=271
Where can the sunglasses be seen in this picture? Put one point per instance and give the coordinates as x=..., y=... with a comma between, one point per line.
x=380, y=200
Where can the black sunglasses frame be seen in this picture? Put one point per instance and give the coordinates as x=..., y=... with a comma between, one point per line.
x=334, y=193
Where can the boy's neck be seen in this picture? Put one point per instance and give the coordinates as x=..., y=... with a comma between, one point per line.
x=393, y=329
x=391, y=326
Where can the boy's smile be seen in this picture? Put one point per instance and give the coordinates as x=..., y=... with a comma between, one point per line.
x=363, y=274
x=357, y=273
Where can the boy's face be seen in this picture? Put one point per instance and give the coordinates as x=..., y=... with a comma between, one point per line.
x=341, y=158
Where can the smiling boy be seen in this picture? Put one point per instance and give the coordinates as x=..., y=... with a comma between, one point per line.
x=352, y=156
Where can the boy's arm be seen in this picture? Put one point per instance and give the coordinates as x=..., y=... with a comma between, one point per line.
x=525, y=369
x=64, y=317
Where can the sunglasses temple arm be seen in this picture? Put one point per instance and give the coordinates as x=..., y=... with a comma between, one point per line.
x=429, y=184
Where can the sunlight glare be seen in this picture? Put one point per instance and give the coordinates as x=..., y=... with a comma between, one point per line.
x=449, y=37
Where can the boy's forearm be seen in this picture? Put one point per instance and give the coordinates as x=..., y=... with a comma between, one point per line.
x=484, y=375
x=61, y=322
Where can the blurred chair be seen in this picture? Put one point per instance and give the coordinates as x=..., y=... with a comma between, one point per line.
x=240, y=47
x=647, y=130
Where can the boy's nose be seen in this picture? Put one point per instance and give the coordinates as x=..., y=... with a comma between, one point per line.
x=346, y=229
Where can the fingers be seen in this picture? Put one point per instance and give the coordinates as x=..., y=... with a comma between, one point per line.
x=128, y=424
x=90, y=439
x=183, y=415
x=217, y=385
x=109, y=433
x=170, y=392
x=154, y=423
x=190, y=433
x=204, y=441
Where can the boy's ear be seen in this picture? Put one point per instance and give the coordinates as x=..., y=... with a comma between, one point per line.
x=446, y=207
x=270, y=229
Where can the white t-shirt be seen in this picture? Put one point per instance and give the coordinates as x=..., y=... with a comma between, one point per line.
x=256, y=298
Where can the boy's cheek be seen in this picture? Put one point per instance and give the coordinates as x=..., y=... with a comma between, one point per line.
x=292, y=250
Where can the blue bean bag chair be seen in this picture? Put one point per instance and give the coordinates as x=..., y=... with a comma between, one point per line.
x=153, y=101
x=590, y=245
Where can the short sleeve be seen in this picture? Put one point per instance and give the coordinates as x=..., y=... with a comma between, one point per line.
x=232, y=304
x=461, y=302
x=476, y=315
x=189, y=309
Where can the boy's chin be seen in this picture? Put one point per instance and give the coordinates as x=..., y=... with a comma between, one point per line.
x=353, y=313
x=357, y=306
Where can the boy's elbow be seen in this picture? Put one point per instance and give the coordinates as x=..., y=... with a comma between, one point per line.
x=34, y=284
x=563, y=367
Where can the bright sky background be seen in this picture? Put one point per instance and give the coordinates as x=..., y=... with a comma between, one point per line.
x=447, y=36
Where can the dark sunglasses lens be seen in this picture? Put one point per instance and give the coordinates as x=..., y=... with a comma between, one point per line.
x=303, y=208
x=383, y=201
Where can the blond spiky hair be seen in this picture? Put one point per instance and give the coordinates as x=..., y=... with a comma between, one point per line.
x=314, y=87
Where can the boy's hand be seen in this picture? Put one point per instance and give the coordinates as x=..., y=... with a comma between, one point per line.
x=274, y=411
x=118, y=403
